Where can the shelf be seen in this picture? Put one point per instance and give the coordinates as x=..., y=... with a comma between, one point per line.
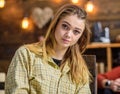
x=103, y=45
x=108, y=47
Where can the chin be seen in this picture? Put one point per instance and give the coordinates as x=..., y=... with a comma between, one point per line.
x=66, y=46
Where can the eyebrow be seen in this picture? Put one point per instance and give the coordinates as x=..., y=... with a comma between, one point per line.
x=70, y=25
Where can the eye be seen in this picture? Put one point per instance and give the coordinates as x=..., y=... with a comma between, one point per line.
x=65, y=27
x=76, y=32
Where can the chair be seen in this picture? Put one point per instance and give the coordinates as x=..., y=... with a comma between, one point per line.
x=91, y=63
x=2, y=82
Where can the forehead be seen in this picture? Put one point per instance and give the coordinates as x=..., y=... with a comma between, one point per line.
x=74, y=21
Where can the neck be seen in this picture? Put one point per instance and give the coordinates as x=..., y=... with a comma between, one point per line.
x=59, y=53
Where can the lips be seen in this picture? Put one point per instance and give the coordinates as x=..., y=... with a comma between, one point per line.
x=66, y=41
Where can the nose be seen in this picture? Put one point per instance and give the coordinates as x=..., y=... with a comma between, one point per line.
x=68, y=33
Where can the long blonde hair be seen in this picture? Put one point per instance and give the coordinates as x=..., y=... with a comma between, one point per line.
x=78, y=69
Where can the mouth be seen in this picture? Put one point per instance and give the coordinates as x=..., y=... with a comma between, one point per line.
x=66, y=41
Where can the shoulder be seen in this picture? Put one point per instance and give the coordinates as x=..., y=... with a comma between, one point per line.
x=27, y=52
x=35, y=48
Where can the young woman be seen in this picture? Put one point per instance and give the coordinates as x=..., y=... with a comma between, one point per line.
x=56, y=65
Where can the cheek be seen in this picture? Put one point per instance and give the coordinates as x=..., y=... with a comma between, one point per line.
x=56, y=35
x=58, y=32
x=75, y=39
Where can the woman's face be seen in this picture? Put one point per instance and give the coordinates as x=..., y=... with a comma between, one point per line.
x=68, y=31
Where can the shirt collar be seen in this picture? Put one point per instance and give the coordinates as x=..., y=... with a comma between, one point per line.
x=38, y=49
x=64, y=70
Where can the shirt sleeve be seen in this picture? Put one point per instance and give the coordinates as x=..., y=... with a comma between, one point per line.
x=84, y=89
x=17, y=76
x=111, y=75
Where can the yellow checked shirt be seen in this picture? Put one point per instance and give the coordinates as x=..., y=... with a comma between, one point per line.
x=29, y=74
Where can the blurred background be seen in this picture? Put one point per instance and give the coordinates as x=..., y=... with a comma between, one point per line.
x=26, y=21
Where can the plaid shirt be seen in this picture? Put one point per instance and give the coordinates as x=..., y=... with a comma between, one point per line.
x=29, y=73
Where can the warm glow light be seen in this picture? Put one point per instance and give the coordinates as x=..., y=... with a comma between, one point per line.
x=75, y=1
x=25, y=23
x=89, y=6
x=2, y=3
x=57, y=1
